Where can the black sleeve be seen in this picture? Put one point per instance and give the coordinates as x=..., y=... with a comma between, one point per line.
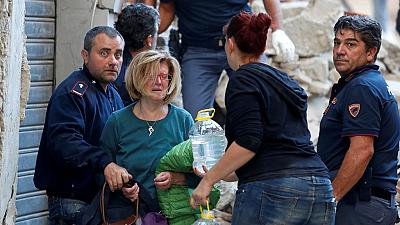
x=244, y=113
x=66, y=143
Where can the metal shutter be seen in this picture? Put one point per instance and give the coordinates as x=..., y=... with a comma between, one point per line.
x=40, y=30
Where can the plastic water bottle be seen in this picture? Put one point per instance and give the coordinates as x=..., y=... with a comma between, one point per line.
x=206, y=217
x=208, y=140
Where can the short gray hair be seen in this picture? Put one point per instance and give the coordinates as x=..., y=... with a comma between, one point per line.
x=92, y=33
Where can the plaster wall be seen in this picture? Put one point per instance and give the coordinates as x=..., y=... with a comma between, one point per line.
x=11, y=52
x=74, y=19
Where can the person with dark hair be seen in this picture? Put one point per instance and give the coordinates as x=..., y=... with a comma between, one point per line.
x=138, y=24
x=69, y=155
x=360, y=129
x=282, y=180
x=203, y=58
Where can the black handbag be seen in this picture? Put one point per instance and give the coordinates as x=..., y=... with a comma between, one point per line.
x=112, y=208
x=126, y=215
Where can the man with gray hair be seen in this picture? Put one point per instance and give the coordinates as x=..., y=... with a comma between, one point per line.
x=360, y=130
x=69, y=155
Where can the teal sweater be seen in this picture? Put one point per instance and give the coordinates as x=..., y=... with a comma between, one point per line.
x=127, y=138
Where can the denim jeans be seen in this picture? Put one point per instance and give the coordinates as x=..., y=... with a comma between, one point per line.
x=285, y=201
x=201, y=70
x=63, y=211
x=375, y=211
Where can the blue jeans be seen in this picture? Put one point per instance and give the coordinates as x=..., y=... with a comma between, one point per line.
x=285, y=201
x=375, y=211
x=63, y=211
x=201, y=70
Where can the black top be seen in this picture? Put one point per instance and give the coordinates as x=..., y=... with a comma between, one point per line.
x=120, y=82
x=266, y=114
x=69, y=155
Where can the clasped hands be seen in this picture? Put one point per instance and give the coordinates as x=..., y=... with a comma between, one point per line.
x=118, y=178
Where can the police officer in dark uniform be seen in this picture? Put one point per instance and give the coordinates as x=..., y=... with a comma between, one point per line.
x=69, y=155
x=360, y=130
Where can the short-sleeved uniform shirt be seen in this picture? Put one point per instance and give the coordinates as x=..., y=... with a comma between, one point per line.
x=362, y=105
x=201, y=21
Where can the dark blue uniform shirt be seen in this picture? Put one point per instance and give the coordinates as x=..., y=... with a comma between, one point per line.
x=201, y=21
x=120, y=82
x=69, y=153
x=362, y=104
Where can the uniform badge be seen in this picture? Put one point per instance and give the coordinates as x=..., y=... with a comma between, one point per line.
x=354, y=109
x=334, y=100
x=79, y=88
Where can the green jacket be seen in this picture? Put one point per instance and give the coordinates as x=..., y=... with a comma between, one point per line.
x=174, y=202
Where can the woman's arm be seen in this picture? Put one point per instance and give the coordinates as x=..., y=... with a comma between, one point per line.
x=234, y=158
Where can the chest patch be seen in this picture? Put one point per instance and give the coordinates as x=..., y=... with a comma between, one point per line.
x=354, y=110
x=79, y=88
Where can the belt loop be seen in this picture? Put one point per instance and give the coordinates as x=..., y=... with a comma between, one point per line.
x=393, y=201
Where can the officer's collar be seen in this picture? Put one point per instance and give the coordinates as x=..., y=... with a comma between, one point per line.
x=91, y=78
x=358, y=71
x=88, y=74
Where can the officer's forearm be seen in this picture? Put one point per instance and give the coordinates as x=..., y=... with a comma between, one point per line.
x=273, y=8
x=353, y=166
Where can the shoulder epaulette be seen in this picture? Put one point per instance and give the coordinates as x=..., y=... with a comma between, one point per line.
x=79, y=88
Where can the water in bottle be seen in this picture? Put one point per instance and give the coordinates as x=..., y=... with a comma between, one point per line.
x=208, y=140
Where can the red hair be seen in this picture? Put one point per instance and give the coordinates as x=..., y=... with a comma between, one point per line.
x=250, y=31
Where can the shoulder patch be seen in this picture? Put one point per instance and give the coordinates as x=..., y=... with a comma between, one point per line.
x=79, y=88
x=354, y=109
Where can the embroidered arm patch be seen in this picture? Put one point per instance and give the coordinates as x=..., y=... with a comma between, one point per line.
x=79, y=88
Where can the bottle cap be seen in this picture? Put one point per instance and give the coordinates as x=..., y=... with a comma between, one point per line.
x=205, y=114
x=206, y=214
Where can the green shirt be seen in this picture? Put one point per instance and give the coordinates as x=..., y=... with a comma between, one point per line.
x=127, y=138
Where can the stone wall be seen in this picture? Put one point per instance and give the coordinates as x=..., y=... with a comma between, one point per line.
x=11, y=54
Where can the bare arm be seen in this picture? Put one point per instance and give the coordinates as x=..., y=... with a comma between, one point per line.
x=354, y=164
x=149, y=2
x=273, y=7
x=167, y=15
x=234, y=158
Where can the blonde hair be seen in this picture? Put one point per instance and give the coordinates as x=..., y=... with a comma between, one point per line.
x=145, y=66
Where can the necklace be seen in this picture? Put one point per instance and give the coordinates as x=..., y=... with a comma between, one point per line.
x=150, y=126
x=151, y=129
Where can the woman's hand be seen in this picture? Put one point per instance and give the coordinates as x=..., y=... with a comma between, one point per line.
x=199, y=173
x=165, y=180
x=201, y=193
x=131, y=193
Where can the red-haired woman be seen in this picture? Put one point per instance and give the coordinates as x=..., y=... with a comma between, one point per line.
x=281, y=178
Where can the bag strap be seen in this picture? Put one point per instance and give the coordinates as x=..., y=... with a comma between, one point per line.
x=127, y=221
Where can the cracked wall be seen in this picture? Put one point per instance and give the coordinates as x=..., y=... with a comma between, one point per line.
x=11, y=55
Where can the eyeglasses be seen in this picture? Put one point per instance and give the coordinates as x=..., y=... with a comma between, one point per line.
x=162, y=76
